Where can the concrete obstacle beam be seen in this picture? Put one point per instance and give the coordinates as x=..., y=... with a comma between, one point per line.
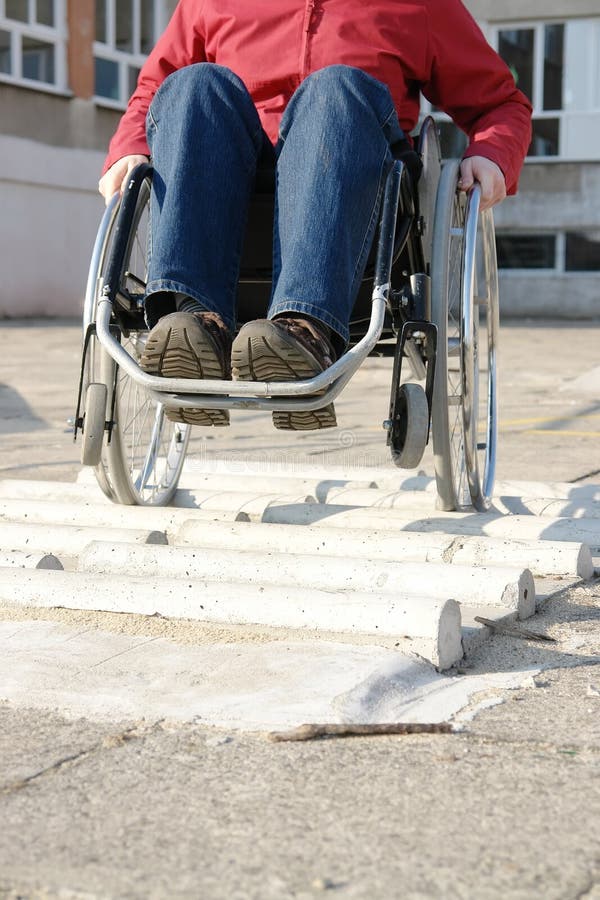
x=434, y=624
x=276, y=470
x=421, y=502
x=250, y=502
x=509, y=588
x=315, y=487
x=556, y=490
x=582, y=531
x=67, y=541
x=541, y=557
x=388, y=478
x=110, y=515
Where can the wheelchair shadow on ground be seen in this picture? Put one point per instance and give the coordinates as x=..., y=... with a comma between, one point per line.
x=15, y=413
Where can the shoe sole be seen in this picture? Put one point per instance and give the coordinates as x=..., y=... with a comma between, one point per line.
x=184, y=351
x=271, y=357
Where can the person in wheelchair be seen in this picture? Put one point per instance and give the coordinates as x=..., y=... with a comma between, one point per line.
x=323, y=93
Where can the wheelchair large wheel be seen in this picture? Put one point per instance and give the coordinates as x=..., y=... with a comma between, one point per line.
x=142, y=458
x=98, y=367
x=465, y=310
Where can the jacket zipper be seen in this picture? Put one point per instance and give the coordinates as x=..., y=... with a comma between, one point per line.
x=304, y=51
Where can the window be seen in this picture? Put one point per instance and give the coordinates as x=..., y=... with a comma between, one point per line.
x=32, y=43
x=582, y=251
x=526, y=251
x=552, y=63
x=126, y=31
x=556, y=251
x=557, y=65
x=453, y=141
x=535, y=56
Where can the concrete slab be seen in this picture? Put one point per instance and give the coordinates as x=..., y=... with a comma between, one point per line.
x=255, y=687
x=432, y=623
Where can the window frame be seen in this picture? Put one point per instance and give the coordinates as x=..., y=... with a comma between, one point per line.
x=564, y=115
x=125, y=59
x=560, y=253
x=56, y=34
x=537, y=100
x=516, y=234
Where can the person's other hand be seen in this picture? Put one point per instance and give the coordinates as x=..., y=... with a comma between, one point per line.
x=116, y=178
x=489, y=176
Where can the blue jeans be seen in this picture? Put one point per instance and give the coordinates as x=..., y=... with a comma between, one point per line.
x=332, y=157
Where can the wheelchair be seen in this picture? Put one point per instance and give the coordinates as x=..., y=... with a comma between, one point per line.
x=429, y=299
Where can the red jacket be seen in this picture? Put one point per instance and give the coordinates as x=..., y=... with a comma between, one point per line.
x=433, y=46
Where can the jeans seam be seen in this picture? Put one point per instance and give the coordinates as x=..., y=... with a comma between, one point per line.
x=389, y=116
x=152, y=121
x=371, y=226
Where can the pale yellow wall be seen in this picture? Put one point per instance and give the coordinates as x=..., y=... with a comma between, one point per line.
x=49, y=214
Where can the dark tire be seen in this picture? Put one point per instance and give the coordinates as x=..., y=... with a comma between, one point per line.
x=411, y=426
x=94, y=419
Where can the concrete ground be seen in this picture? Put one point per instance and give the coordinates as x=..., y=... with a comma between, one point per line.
x=507, y=808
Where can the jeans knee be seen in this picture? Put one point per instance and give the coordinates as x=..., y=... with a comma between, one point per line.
x=200, y=77
x=334, y=75
x=347, y=79
x=193, y=91
x=346, y=87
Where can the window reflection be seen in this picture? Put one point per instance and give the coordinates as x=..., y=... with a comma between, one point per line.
x=148, y=25
x=38, y=60
x=45, y=12
x=553, y=66
x=107, y=79
x=582, y=251
x=101, y=34
x=526, y=251
x=17, y=9
x=453, y=141
x=124, y=26
x=516, y=49
x=132, y=77
x=5, y=60
x=545, y=140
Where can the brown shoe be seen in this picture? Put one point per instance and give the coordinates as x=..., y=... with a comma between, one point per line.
x=190, y=345
x=285, y=349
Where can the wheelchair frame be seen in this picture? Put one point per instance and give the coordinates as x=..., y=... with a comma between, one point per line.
x=410, y=242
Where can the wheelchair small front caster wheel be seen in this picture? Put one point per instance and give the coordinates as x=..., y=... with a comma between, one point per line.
x=94, y=420
x=410, y=428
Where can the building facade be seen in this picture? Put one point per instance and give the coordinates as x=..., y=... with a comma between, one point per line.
x=549, y=235
x=67, y=68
